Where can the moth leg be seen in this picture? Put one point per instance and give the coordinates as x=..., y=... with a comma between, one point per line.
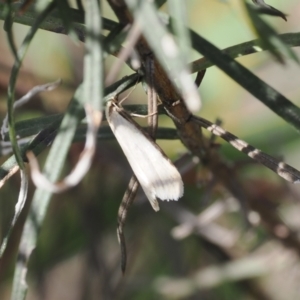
x=143, y=116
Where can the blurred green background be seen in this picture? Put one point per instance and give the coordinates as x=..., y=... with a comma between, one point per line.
x=78, y=254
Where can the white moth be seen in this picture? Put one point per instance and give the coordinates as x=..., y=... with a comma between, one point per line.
x=156, y=174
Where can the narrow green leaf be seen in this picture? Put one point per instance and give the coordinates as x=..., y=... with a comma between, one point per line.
x=254, y=46
x=53, y=22
x=93, y=65
x=268, y=36
x=268, y=9
x=160, y=3
x=13, y=78
x=258, y=88
x=113, y=41
x=33, y=126
x=66, y=16
x=166, y=50
x=18, y=209
x=79, y=5
x=54, y=164
x=177, y=9
x=8, y=28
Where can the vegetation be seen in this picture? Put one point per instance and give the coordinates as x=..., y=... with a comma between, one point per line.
x=234, y=233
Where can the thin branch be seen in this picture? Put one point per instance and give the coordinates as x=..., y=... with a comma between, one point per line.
x=282, y=169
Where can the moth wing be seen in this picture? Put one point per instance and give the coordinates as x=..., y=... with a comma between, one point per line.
x=156, y=174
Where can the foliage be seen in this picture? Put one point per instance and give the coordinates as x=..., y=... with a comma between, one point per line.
x=224, y=236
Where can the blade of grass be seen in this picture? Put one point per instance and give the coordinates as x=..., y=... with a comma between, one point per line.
x=18, y=209
x=53, y=166
x=8, y=28
x=27, y=128
x=66, y=16
x=243, y=49
x=166, y=50
x=79, y=5
x=53, y=22
x=93, y=65
x=13, y=78
x=257, y=87
x=268, y=9
x=269, y=37
x=177, y=9
x=160, y=3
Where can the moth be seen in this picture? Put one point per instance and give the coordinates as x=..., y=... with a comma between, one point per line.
x=156, y=174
